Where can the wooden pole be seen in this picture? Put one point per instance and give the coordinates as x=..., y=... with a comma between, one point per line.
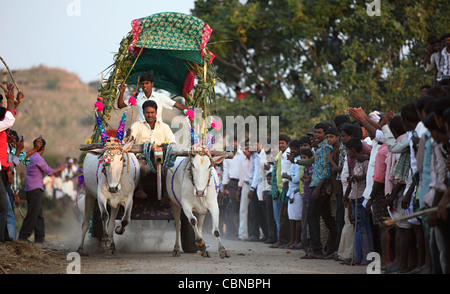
x=431, y=210
x=10, y=73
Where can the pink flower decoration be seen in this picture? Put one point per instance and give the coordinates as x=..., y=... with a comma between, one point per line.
x=132, y=101
x=190, y=114
x=98, y=106
x=216, y=125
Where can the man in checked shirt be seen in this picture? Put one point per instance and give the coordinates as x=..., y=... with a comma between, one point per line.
x=319, y=203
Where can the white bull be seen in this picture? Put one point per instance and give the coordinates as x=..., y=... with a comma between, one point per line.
x=190, y=185
x=110, y=177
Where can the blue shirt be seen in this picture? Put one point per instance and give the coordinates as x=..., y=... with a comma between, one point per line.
x=321, y=165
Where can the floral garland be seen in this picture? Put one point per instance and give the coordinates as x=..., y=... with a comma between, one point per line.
x=98, y=106
x=199, y=145
x=121, y=129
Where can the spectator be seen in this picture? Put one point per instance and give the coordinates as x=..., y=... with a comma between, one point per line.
x=439, y=241
x=15, y=156
x=6, y=122
x=432, y=58
x=231, y=171
x=306, y=155
x=68, y=189
x=243, y=190
x=336, y=157
x=363, y=243
x=34, y=219
x=282, y=165
x=444, y=65
x=319, y=203
x=266, y=165
x=257, y=208
x=221, y=199
x=295, y=203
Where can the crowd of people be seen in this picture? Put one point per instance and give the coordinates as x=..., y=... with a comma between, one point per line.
x=331, y=191
x=327, y=193
x=38, y=173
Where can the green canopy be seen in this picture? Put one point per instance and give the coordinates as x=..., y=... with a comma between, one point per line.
x=165, y=43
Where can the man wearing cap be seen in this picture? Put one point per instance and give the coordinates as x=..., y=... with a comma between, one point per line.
x=147, y=87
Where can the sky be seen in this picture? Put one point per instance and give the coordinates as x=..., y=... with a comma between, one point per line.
x=79, y=36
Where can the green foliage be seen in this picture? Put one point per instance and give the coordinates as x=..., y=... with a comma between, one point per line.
x=344, y=57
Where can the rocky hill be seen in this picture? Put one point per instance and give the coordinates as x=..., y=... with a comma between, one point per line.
x=58, y=106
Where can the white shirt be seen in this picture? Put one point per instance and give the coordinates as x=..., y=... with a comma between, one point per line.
x=161, y=100
x=445, y=62
x=263, y=171
x=68, y=189
x=231, y=167
x=244, y=172
x=142, y=132
x=285, y=163
x=7, y=123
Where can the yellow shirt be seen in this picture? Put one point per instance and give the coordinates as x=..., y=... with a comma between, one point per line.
x=142, y=132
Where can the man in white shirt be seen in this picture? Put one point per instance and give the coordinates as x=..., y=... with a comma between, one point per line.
x=147, y=87
x=445, y=58
x=151, y=129
x=243, y=189
x=257, y=207
x=230, y=180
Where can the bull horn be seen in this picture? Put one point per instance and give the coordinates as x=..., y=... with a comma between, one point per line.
x=215, y=153
x=93, y=146
x=183, y=153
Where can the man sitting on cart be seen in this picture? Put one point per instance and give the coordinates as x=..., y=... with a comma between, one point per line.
x=150, y=130
x=161, y=100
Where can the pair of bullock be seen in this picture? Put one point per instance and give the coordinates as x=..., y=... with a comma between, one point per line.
x=112, y=172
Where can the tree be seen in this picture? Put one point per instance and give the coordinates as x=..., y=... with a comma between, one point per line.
x=343, y=56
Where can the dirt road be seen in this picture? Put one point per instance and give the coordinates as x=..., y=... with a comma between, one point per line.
x=147, y=249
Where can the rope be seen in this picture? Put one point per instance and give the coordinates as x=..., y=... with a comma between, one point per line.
x=169, y=158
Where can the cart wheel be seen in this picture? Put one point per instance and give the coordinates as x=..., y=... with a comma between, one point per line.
x=187, y=235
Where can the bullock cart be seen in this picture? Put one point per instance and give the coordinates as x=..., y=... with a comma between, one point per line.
x=171, y=46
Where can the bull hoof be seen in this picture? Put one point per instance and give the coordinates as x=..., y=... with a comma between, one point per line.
x=223, y=254
x=176, y=253
x=112, y=252
x=82, y=252
x=205, y=254
x=120, y=230
x=106, y=243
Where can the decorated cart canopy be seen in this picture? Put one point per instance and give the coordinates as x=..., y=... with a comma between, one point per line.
x=167, y=41
x=172, y=47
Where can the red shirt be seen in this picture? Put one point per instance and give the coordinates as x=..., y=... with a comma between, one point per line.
x=4, y=148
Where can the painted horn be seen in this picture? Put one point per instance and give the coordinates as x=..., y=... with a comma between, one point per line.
x=88, y=147
x=215, y=153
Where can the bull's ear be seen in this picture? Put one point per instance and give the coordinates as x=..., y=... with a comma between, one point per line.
x=96, y=151
x=219, y=159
